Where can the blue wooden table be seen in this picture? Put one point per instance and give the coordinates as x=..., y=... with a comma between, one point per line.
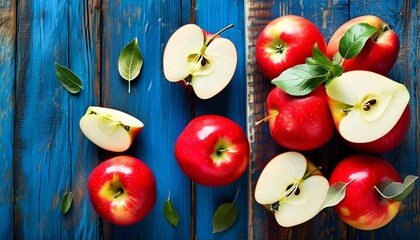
x=43, y=153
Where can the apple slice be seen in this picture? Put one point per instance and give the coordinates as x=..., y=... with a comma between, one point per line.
x=292, y=187
x=110, y=129
x=206, y=62
x=366, y=105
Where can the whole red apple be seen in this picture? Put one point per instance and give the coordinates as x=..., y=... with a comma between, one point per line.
x=285, y=42
x=363, y=207
x=379, y=53
x=122, y=190
x=212, y=150
x=299, y=122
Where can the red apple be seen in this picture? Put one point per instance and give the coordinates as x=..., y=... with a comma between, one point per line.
x=122, y=190
x=371, y=112
x=363, y=207
x=379, y=53
x=285, y=42
x=299, y=122
x=212, y=150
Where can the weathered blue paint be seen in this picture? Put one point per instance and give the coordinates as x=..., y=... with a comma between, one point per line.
x=44, y=154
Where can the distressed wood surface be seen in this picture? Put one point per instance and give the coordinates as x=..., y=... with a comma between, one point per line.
x=402, y=16
x=44, y=154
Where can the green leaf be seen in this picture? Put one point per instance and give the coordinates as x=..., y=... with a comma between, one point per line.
x=224, y=217
x=68, y=79
x=170, y=213
x=130, y=61
x=398, y=191
x=301, y=79
x=354, y=39
x=319, y=58
x=66, y=202
x=335, y=194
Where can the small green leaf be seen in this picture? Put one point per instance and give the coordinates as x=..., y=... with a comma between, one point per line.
x=354, y=39
x=170, y=213
x=224, y=217
x=66, y=202
x=68, y=79
x=398, y=191
x=335, y=194
x=301, y=79
x=319, y=58
x=130, y=61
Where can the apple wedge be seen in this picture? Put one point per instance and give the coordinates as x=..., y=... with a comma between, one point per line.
x=205, y=61
x=292, y=187
x=366, y=106
x=110, y=129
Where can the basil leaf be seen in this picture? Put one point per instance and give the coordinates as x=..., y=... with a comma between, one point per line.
x=224, y=217
x=354, y=39
x=398, y=191
x=301, y=79
x=66, y=202
x=68, y=79
x=319, y=58
x=170, y=213
x=130, y=61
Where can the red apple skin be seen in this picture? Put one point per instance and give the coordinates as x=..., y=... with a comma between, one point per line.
x=363, y=207
x=285, y=42
x=379, y=53
x=302, y=123
x=138, y=186
x=196, y=150
x=390, y=140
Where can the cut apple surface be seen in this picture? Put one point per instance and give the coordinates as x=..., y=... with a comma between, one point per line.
x=110, y=129
x=204, y=61
x=292, y=188
x=366, y=105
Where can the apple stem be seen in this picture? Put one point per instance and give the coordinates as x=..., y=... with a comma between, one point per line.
x=266, y=118
x=218, y=33
x=310, y=173
x=120, y=191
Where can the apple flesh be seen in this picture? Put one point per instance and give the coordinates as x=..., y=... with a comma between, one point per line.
x=299, y=123
x=204, y=61
x=379, y=53
x=370, y=111
x=122, y=190
x=212, y=150
x=292, y=188
x=285, y=42
x=110, y=129
x=363, y=207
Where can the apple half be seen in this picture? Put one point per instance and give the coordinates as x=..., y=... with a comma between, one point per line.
x=204, y=61
x=292, y=187
x=109, y=128
x=366, y=106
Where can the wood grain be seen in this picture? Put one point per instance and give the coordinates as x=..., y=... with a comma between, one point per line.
x=44, y=154
x=328, y=16
x=7, y=76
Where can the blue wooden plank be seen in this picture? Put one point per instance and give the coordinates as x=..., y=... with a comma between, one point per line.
x=213, y=16
x=42, y=117
x=162, y=106
x=84, y=60
x=7, y=76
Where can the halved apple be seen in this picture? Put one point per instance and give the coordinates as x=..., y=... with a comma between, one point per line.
x=292, y=187
x=366, y=106
x=109, y=128
x=205, y=61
